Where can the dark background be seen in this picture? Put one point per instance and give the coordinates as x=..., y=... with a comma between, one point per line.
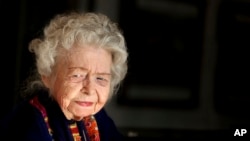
x=210, y=58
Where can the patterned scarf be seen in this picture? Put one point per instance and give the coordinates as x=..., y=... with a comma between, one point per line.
x=89, y=122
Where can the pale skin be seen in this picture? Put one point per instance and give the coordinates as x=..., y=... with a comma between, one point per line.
x=81, y=85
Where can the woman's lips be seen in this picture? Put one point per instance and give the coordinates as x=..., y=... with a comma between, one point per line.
x=84, y=103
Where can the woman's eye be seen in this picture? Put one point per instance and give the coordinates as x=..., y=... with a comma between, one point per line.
x=76, y=78
x=102, y=81
x=76, y=75
x=101, y=78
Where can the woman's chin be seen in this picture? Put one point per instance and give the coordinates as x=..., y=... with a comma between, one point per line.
x=77, y=118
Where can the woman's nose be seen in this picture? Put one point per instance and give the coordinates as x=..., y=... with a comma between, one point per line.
x=88, y=86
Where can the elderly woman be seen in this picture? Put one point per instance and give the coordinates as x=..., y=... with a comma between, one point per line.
x=81, y=60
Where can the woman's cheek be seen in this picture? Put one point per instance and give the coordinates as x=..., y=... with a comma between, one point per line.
x=64, y=96
x=102, y=97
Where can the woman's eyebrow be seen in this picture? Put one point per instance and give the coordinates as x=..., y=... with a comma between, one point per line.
x=103, y=73
x=82, y=68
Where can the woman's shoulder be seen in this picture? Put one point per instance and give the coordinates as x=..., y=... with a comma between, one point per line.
x=107, y=127
x=19, y=114
x=23, y=122
x=103, y=117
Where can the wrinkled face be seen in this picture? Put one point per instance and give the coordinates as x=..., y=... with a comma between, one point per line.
x=82, y=83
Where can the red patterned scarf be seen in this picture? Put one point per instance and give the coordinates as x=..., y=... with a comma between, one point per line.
x=89, y=122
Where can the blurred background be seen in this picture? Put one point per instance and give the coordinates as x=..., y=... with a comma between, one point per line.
x=188, y=72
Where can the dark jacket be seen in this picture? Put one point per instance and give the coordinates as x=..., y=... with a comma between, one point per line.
x=25, y=123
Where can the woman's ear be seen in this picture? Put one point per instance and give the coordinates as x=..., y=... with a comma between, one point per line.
x=46, y=81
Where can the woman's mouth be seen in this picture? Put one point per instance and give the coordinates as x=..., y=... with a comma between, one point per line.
x=84, y=103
